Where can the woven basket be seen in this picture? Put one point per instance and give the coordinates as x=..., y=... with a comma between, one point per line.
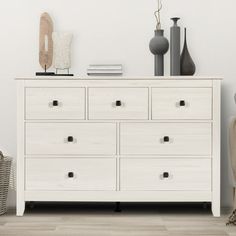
x=5, y=169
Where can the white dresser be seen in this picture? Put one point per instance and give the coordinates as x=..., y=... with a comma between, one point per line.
x=118, y=140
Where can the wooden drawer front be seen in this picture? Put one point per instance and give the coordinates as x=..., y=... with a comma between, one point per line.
x=165, y=174
x=71, y=174
x=70, y=139
x=118, y=103
x=166, y=139
x=55, y=103
x=181, y=103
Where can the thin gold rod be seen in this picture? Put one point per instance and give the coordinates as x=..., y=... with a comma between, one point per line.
x=157, y=14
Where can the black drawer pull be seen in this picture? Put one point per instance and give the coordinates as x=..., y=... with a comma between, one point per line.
x=166, y=139
x=182, y=103
x=118, y=103
x=55, y=103
x=71, y=175
x=166, y=175
x=70, y=139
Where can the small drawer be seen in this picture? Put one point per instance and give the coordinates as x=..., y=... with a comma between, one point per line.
x=118, y=103
x=70, y=139
x=165, y=174
x=70, y=174
x=55, y=103
x=165, y=139
x=181, y=103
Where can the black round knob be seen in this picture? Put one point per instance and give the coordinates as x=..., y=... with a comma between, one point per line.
x=71, y=175
x=166, y=175
x=118, y=103
x=182, y=103
x=70, y=139
x=166, y=139
x=55, y=103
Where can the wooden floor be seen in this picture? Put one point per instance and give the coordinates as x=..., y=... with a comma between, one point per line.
x=100, y=220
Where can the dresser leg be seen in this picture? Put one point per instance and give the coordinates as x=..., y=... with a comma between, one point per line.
x=215, y=208
x=20, y=209
x=31, y=205
x=205, y=205
x=117, y=208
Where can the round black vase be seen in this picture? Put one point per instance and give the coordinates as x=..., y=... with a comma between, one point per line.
x=159, y=45
x=187, y=66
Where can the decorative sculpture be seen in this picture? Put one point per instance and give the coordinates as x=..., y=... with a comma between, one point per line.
x=175, y=48
x=62, y=52
x=187, y=65
x=159, y=45
x=45, y=44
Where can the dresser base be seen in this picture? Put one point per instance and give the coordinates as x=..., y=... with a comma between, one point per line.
x=118, y=196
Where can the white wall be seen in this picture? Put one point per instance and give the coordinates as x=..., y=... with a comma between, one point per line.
x=116, y=31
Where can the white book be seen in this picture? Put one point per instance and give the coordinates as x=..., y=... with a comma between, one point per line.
x=106, y=66
x=104, y=73
x=104, y=69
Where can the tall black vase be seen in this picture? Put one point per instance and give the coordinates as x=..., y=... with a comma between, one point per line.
x=187, y=66
x=175, y=48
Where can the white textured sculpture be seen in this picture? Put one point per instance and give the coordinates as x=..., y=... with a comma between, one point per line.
x=61, y=50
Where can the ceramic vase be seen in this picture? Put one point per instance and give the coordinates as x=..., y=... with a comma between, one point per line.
x=159, y=46
x=187, y=66
x=175, y=48
x=62, y=50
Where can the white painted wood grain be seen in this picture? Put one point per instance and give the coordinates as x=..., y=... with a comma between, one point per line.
x=102, y=103
x=119, y=82
x=166, y=103
x=147, y=139
x=116, y=142
x=146, y=78
x=51, y=138
x=89, y=174
x=216, y=149
x=147, y=174
x=20, y=181
x=122, y=196
x=71, y=103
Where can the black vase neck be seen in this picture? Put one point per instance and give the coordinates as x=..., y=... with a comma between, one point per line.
x=175, y=20
x=185, y=36
x=159, y=32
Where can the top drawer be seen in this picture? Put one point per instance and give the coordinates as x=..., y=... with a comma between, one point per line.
x=55, y=103
x=181, y=103
x=118, y=103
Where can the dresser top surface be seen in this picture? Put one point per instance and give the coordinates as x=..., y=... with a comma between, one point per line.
x=120, y=78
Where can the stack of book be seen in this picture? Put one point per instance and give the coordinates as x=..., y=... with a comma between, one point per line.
x=105, y=69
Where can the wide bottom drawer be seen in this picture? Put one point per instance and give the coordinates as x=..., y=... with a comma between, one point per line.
x=165, y=174
x=70, y=174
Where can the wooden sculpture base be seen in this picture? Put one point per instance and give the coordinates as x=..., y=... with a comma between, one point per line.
x=45, y=73
x=63, y=75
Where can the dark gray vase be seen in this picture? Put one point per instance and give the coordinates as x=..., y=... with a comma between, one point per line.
x=175, y=48
x=159, y=46
x=187, y=66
